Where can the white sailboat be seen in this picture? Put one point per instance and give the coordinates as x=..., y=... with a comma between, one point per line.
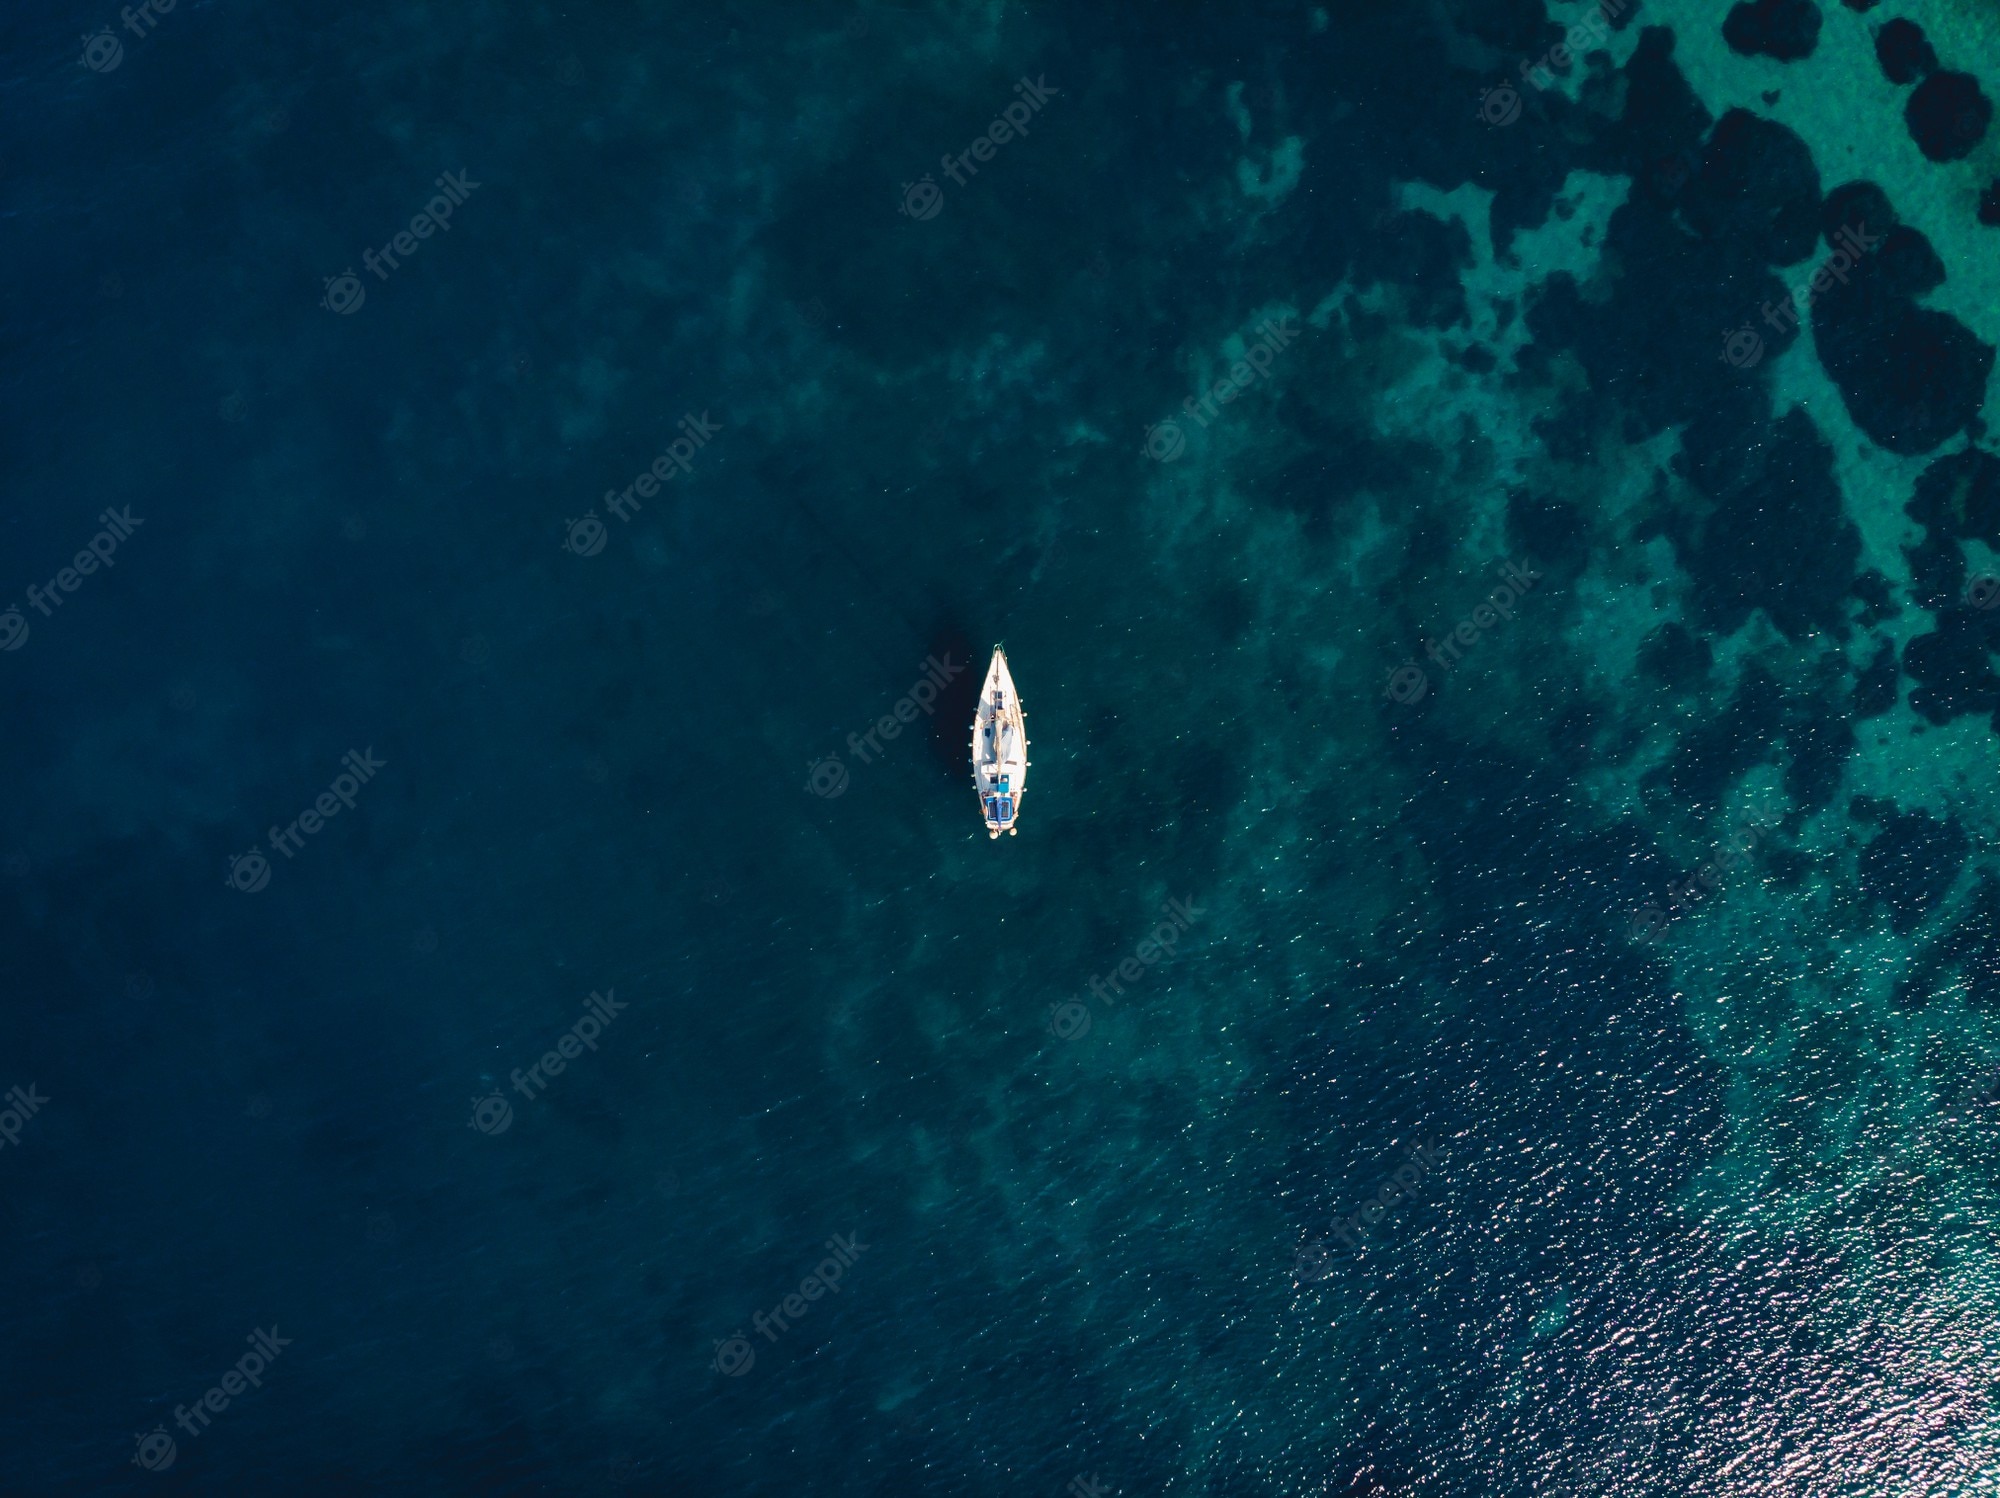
x=1000, y=748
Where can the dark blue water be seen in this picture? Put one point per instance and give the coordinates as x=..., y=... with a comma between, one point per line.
x=1497, y=989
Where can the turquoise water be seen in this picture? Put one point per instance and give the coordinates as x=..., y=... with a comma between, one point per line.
x=1494, y=992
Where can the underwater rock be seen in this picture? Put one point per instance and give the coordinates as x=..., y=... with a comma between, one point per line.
x=1821, y=740
x=1784, y=29
x=1948, y=115
x=1910, y=376
x=1911, y=863
x=1757, y=185
x=1709, y=757
x=1904, y=51
x=1857, y=208
x=1937, y=573
x=1989, y=205
x=1877, y=686
x=1424, y=254
x=1550, y=531
x=1779, y=538
x=1907, y=266
x=1954, y=666
x=1878, y=600
x=1676, y=657
x=1657, y=141
x=1958, y=497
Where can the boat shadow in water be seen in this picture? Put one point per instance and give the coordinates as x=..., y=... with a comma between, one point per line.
x=958, y=701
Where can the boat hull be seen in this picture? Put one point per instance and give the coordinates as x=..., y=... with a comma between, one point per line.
x=1000, y=749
